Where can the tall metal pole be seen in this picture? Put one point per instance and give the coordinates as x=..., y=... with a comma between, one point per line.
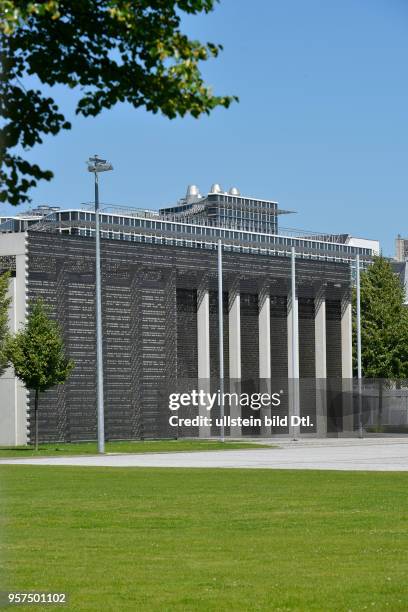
x=295, y=368
x=358, y=316
x=221, y=337
x=359, y=368
x=293, y=293
x=99, y=353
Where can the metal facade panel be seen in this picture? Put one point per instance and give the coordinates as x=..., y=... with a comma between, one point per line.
x=307, y=361
x=334, y=370
x=147, y=335
x=279, y=353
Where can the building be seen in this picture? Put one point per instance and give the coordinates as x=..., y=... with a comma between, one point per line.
x=400, y=266
x=364, y=243
x=22, y=221
x=160, y=316
x=227, y=209
x=401, y=248
x=401, y=269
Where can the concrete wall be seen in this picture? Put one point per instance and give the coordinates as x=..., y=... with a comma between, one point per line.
x=13, y=396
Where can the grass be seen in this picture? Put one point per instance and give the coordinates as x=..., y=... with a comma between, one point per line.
x=148, y=446
x=206, y=540
x=388, y=429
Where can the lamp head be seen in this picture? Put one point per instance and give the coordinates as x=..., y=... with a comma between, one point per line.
x=96, y=164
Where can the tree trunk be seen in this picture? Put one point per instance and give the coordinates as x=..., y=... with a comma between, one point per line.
x=36, y=418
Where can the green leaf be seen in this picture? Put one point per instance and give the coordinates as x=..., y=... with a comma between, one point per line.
x=113, y=51
x=384, y=323
x=37, y=351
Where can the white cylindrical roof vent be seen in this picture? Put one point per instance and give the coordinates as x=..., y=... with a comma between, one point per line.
x=192, y=191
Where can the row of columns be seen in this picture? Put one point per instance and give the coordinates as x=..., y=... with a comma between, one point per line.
x=234, y=325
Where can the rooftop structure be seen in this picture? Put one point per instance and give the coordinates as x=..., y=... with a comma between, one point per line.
x=227, y=208
x=401, y=248
x=246, y=225
x=365, y=243
x=23, y=220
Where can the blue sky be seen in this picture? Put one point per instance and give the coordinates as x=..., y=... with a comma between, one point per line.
x=321, y=125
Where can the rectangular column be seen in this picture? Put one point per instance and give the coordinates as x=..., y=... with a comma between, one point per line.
x=321, y=367
x=293, y=351
x=234, y=323
x=293, y=363
x=293, y=346
x=346, y=342
x=264, y=326
x=203, y=353
x=14, y=413
x=265, y=337
x=347, y=366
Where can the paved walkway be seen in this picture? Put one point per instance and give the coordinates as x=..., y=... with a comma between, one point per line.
x=389, y=454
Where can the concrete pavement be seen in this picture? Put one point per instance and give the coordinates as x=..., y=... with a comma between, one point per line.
x=372, y=454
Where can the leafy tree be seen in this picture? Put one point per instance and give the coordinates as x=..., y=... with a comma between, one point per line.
x=112, y=51
x=37, y=354
x=384, y=325
x=4, y=328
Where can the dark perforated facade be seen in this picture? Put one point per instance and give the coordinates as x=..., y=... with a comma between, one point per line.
x=151, y=294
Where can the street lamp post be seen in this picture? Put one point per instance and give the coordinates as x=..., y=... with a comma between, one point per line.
x=221, y=338
x=295, y=345
x=96, y=165
x=359, y=368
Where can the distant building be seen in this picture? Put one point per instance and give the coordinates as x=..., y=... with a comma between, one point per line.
x=23, y=220
x=364, y=243
x=401, y=248
x=227, y=209
x=401, y=268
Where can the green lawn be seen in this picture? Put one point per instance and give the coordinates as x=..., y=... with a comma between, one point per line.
x=210, y=540
x=148, y=446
